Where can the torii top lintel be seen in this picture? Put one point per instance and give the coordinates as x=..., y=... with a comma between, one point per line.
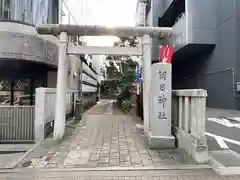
x=92, y=30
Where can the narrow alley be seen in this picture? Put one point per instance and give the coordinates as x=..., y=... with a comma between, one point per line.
x=107, y=137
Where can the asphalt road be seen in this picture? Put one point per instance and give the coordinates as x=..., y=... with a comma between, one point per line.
x=223, y=132
x=231, y=133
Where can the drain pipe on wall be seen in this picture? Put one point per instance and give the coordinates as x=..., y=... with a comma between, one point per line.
x=234, y=92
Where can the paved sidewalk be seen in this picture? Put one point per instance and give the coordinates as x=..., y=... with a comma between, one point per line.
x=8, y=160
x=104, y=140
x=106, y=145
x=9, y=153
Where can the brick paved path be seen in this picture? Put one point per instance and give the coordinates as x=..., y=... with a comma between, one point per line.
x=107, y=144
x=105, y=140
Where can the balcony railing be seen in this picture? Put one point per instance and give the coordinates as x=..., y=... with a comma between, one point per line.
x=190, y=31
x=179, y=39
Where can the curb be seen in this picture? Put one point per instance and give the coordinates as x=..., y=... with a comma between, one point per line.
x=18, y=161
x=177, y=167
x=223, y=170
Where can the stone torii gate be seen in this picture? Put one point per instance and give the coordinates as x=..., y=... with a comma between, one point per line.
x=144, y=50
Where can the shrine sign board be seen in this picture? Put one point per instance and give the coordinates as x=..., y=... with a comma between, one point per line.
x=160, y=108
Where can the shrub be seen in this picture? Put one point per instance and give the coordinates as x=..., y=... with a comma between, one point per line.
x=126, y=105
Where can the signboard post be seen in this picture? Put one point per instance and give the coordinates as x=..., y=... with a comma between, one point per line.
x=139, y=81
x=160, y=135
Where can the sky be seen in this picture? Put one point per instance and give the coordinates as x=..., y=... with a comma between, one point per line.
x=102, y=12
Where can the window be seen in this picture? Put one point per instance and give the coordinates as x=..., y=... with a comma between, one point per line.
x=5, y=93
x=5, y=12
x=16, y=92
x=27, y=11
x=55, y=11
x=31, y=9
x=148, y=7
x=22, y=91
x=172, y=14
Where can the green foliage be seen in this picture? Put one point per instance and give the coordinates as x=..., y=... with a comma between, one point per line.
x=126, y=105
x=126, y=76
x=112, y=71
x=127, y=42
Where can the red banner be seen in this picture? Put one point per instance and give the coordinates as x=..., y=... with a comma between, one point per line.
x=166, y=54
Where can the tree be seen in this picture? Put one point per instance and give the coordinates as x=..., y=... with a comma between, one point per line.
x=126, y=74
x=102, y=72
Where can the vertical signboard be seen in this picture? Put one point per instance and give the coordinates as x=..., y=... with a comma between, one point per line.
x=161, y=90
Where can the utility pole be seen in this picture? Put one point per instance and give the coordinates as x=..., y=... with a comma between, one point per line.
x=80, y=88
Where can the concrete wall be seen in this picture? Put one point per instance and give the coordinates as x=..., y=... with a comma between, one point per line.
x=213, y=71
x=220, y=84
x=211, y=22
x=224, y=56
x=21, y=41
x=195, y=27
x=201, y=20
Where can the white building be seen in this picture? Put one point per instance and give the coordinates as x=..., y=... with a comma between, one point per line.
x=29, y=60
x=30, y=11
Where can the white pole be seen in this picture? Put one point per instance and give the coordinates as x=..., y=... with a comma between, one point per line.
x=60, y=110
x=69, y=17
x=146, y=81
x=60, y=12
